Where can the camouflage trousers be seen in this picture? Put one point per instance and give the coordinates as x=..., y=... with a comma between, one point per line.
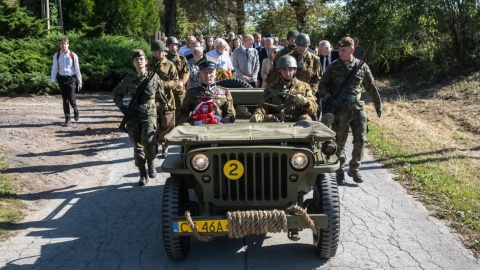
x=142, y=135
x=357, y=121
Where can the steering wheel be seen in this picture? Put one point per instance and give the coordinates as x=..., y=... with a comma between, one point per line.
x=280, y=107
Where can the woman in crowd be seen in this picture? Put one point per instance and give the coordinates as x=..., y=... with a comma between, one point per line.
x=237, y=42
x=194, y=80
x=267, y=64
x=208, y=44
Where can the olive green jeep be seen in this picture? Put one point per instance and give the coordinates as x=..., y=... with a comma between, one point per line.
x=251, y=178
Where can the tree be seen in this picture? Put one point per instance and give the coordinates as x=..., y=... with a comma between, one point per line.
x=17, y=22
x=170, y=17
x=135, y=18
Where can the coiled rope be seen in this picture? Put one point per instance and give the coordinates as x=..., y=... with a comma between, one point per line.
x=243, y=223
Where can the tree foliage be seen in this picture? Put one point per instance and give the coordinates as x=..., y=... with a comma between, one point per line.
x=25, y=64
x=17, y=22
x=135, y=18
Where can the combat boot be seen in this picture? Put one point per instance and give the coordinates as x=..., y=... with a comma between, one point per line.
x=340, y=175
x=152, y=172
x=357, y=178
x=143, y=176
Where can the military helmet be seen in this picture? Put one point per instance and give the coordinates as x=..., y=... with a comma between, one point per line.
x=292, y=33
x=302, y=40
x=286, y=61
x=158, y=45
x=172, y=40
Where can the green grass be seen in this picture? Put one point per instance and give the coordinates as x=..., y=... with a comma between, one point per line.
x=453, y=199
x=11, y=208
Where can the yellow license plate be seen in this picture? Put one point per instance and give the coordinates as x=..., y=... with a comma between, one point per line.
x=204, y=226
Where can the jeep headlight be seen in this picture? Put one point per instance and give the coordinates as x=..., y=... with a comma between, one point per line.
x=329, y=148
x=299, y=161
x=200, y=162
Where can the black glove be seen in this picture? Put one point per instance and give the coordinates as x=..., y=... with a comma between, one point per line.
x=379, y=111
x=126, y=111
x=332, y=102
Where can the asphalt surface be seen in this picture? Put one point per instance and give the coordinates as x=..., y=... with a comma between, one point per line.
x=117, y=226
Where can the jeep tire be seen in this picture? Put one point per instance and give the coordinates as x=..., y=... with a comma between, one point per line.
x=326, y=200
x=175, y=197
x=233, y=83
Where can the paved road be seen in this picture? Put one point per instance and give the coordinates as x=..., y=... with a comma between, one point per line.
x=117, y=226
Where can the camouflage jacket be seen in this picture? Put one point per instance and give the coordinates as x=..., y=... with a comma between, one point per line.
x=294, y=87
x=145, y=107
x=272, y=75
x=221, y=96
x=311, y=70
x=183, y=70
x=167, y=72
x=335, y=76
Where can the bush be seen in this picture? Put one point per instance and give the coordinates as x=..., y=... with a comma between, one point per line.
x=25, y=64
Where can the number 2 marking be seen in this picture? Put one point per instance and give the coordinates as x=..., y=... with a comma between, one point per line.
x=233, y=169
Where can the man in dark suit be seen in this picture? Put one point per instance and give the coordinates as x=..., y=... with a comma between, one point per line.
x=262, y=54
x=326, y=53
x=257, y=44
x=246, y=62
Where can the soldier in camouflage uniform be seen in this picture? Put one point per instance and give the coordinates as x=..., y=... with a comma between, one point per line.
x=183, y=70
x=272, y=75
x=225, y=111
x=142, y=114
x=309, y=68
x=350, y=112
x=303, y=103
x=167, y=72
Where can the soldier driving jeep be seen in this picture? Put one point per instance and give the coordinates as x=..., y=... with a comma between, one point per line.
x=298, y=95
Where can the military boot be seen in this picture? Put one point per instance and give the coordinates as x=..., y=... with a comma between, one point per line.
x=152, y=172
x=143, y=176
x=340, y=175
x=357, y=178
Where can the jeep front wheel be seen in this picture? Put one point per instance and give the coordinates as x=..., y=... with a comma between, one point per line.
x=326, y=201
x=175, y=197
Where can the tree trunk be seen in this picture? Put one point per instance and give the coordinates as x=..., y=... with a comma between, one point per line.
x=300, y=7
x=170, y=17
x=240, y=17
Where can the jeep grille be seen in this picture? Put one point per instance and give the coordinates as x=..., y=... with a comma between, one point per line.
x=264, y=179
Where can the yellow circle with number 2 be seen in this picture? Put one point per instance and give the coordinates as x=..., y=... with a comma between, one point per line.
x=233, y=169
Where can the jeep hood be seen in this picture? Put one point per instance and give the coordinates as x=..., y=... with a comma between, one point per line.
x=248, y=133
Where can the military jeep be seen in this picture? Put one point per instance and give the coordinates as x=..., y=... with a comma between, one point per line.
x=251, y=178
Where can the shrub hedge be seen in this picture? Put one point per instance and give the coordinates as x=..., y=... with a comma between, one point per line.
x=25, y=64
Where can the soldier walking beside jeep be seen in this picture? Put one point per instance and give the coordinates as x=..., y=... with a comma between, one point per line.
x=167, y=72
x=341, y=87
x=145, y=88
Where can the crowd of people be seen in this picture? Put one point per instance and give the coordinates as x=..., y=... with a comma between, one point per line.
x=178, y=87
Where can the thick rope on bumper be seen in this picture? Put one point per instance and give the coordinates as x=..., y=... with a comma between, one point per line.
x=194, y=228
x=295, y=209
x=243, y=223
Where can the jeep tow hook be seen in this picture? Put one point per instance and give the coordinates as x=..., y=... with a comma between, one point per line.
x=293, y=235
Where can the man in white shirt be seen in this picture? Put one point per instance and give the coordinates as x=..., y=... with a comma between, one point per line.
x=186, y=50
x=66, y=70
x=222, y=56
